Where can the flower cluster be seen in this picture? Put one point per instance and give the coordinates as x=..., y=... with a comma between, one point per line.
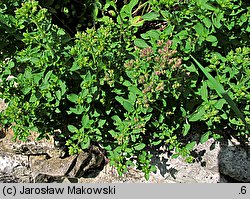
x=155, y=70
x=146, y=52
x=166, y=57
x=109, y=77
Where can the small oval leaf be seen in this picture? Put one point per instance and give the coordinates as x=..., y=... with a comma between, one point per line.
x=72, y=129
x=190, y=146
x=150, y=16
x=128, y=106
x=141, y=43
x=211, y=38
x=85, y=144
x=197, y=115
x=186, y=128
x=140, y=146
x=204, y=137
x=72, y=97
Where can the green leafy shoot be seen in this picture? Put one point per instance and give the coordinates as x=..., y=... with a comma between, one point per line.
x=220, y=90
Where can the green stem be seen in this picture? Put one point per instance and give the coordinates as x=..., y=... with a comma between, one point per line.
x=139, y=7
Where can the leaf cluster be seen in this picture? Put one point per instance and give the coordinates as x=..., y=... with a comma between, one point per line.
x=144, y=75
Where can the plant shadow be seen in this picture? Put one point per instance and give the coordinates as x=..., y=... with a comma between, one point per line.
x=222, y=161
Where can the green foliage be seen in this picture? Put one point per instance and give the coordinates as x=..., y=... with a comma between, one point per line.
x=232, y=71
x=214, y=30
x=220, y=91
x=33, y=80
x=205, y=26
x=127, y=83
x=9, y=36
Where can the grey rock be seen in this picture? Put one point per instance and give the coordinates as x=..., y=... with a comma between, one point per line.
x=10, y=161
x=7, y=178
x=42, y=161
x=205, y=169
x=31, y=146
x=54, y=166
x=22, y=174
x=35, y=160
x=14, y=167
x=70, y=180
x=55, y=152
x=87, y=164
x=80, y=165
x=43, y=178
x=235, y=162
